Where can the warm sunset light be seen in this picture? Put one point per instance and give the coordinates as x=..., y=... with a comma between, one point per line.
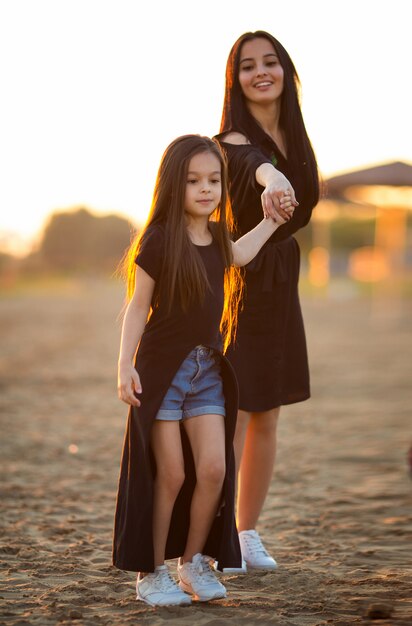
x=369, y=264
x=381, y=196
x=93, y=92
x=319, y=266
x=157, y=469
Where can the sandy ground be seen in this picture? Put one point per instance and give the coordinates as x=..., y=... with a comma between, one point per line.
x=338, y=518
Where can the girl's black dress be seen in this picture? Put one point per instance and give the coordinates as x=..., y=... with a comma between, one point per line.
x=269, y=355
x=165, y=343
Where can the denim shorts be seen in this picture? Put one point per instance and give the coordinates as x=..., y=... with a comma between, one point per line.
x=196, y=389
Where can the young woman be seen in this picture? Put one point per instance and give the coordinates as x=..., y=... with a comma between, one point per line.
x=176, y=488
x=270, y=158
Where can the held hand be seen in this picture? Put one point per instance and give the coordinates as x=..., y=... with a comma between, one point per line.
x=128, y=385
x=279, y=221
x=287, y=204
x=278, y=200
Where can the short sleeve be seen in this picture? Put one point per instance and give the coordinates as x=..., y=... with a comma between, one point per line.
x=243, y=161
x=151, y=252
x=245, y=192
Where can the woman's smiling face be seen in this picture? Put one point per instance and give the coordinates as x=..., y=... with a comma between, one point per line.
x=260, y=71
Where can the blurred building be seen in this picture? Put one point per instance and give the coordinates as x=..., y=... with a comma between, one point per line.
x=362, y=227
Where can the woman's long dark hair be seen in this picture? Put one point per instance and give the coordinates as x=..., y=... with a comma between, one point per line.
x=237, y=117
x=183, y=272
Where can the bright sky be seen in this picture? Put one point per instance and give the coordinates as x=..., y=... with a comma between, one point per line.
x=94, y=90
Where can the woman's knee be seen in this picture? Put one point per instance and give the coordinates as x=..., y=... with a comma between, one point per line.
x=242, y=421
x=266, y=422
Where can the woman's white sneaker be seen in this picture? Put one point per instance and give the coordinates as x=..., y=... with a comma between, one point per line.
x=254, y=552
x=158, y=588
x=196, y=577
x=231, y=570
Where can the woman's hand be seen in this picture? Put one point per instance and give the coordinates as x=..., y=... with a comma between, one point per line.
x=278, y=197
x=278, y=200
x=128, y=384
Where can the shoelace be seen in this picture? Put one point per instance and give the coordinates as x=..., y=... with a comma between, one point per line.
x=254, y=544
x=164, y=582
x=205, y=570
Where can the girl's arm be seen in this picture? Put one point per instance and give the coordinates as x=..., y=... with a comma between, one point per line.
x=247, y=247
x=134, y=321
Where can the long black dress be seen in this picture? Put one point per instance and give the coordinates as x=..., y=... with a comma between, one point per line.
x=269, y=355
x=165, y=343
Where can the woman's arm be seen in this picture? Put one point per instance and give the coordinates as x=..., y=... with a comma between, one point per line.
x=278, y=197
x=244, y=161
x=134, y=321
x=247, y=247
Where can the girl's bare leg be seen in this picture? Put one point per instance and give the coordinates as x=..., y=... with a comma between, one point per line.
x=167, y=449
x=207, y=438
x=255, y=453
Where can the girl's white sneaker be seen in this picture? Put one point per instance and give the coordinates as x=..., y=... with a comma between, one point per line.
x=196, y=577
x=158, y=588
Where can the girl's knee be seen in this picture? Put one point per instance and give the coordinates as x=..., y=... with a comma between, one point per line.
x=211, y=472
x=171, y=479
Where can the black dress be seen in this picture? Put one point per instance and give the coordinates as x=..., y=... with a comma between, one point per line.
x=165, y=343
x=269, y=355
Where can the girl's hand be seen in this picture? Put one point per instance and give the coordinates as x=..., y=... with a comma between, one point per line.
x=278, y=200
x=128, y=385
x=280, y=220
x=287, y=204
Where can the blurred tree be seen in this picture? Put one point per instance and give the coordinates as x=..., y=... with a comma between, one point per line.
x=349, y=234
x=79, y=240
x=6, y=260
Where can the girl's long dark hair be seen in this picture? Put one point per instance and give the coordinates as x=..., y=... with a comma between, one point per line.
x=183, y=272
x=237, y=117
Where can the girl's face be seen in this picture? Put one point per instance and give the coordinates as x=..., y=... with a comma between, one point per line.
x=260, y=72
x=203, y=185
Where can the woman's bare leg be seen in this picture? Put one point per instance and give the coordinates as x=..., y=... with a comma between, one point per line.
x=255, y=451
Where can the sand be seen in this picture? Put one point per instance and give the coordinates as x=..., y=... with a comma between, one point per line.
x=338, y=517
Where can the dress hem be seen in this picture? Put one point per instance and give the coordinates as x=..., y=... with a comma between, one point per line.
x=274, y=405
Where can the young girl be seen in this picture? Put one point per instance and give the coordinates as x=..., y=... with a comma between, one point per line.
x=176, y=487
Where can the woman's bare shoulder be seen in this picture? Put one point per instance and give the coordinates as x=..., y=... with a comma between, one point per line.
x=235, y=138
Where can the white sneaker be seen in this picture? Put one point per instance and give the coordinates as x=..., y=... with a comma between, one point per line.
x=197, y=577
x=254, y=552
x=158, y=588
x=231, y=570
